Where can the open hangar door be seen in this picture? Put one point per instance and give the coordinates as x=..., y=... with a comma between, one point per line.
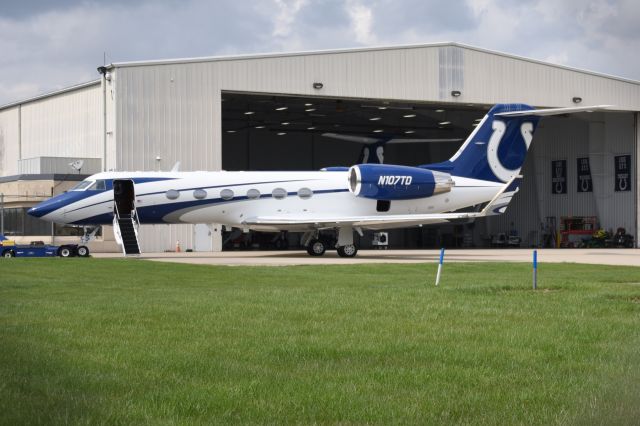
x=579, y=176
x=278, y=132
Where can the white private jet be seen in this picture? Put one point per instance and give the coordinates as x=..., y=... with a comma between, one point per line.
x=484, y=171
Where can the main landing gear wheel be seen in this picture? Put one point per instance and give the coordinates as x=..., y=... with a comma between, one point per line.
x=350, y=250
x=316, y=248
x=83, y=251
x=8, y=254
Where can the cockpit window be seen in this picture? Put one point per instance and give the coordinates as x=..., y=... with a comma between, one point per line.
x=82, y=185
x=98, y=185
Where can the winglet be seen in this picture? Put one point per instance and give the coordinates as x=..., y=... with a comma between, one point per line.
x=501, y=200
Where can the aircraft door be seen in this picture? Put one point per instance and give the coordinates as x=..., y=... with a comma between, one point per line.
x=124, y=195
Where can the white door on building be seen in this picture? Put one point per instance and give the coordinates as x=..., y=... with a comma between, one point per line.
x=202, y=238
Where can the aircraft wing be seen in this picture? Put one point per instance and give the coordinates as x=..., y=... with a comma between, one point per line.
x=369, y=140
x=364, y=221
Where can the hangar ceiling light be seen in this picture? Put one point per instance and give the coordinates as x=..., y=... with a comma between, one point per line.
x=409, y=115
x=311, y=128
x=259, y=127
x=308, y=104
x=249, y=113
x=285, y=123
x=439, y=110
x=408, y=132
x=378, y=131
x=444, y=123
x=282, y=133
x=310, y=109
x=375, y=118
x=282, y=108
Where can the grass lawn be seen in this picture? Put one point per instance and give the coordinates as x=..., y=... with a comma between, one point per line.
x=123, y=341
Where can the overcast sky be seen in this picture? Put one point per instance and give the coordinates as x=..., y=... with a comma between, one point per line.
x=46, y=45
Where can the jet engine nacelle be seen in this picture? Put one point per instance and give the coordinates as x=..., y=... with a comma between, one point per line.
x=390, y=182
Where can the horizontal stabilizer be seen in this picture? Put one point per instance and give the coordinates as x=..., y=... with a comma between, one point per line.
x=553, y=111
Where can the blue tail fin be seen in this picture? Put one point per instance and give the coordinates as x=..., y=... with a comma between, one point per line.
x=496, y=149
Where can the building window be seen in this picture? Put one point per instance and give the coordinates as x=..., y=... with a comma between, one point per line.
x=18, y=222
x=305, y=193
x=199, y=194
x=279, y=193
x=253, y=194
x=172, y=194
x=226, y=194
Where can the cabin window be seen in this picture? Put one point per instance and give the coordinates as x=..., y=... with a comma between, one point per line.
x=253, y=194
x=279, y=193
x=383, y=205
x=226, y=194
x=305, y=193
x=199, y=194
x=172, y=194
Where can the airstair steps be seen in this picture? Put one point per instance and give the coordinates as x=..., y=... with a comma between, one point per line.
x=128, y=234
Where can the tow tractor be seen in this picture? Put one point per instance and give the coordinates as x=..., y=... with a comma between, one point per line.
x=9, y=248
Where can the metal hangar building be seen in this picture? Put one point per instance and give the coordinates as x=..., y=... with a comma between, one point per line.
x=269, y=112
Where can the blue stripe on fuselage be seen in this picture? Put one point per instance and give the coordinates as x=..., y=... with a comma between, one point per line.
x=155, y=214
x=191, y=189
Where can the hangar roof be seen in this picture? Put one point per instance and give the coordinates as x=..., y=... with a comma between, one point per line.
x=359, y=49
x=54, y=93
x=312, y=53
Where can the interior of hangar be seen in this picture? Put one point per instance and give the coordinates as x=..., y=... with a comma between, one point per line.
x=276, y=132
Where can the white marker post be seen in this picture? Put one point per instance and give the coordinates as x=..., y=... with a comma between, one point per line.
x=440, y=266
x=535, y=269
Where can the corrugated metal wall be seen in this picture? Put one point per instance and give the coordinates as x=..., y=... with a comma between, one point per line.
x=61, y=165
x=66, y=125
x=9, y=145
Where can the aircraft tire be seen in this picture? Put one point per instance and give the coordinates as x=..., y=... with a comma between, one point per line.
x=8, y=254
x=350, y=250
x=83, y=251
x=316, y=248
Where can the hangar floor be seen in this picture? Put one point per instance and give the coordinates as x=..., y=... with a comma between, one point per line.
x=623, y=257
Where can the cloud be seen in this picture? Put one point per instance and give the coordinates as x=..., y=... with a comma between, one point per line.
x=361, y=21
x=286, y=16
x=48, y=45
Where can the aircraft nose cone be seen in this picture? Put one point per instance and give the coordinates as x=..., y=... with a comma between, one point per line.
x=39, y=210
x=46, y=207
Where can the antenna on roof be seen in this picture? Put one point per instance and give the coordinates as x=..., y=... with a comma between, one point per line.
x=77, y=165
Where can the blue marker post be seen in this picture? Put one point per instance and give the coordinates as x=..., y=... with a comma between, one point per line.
x=440, y=266
x=535, y=269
